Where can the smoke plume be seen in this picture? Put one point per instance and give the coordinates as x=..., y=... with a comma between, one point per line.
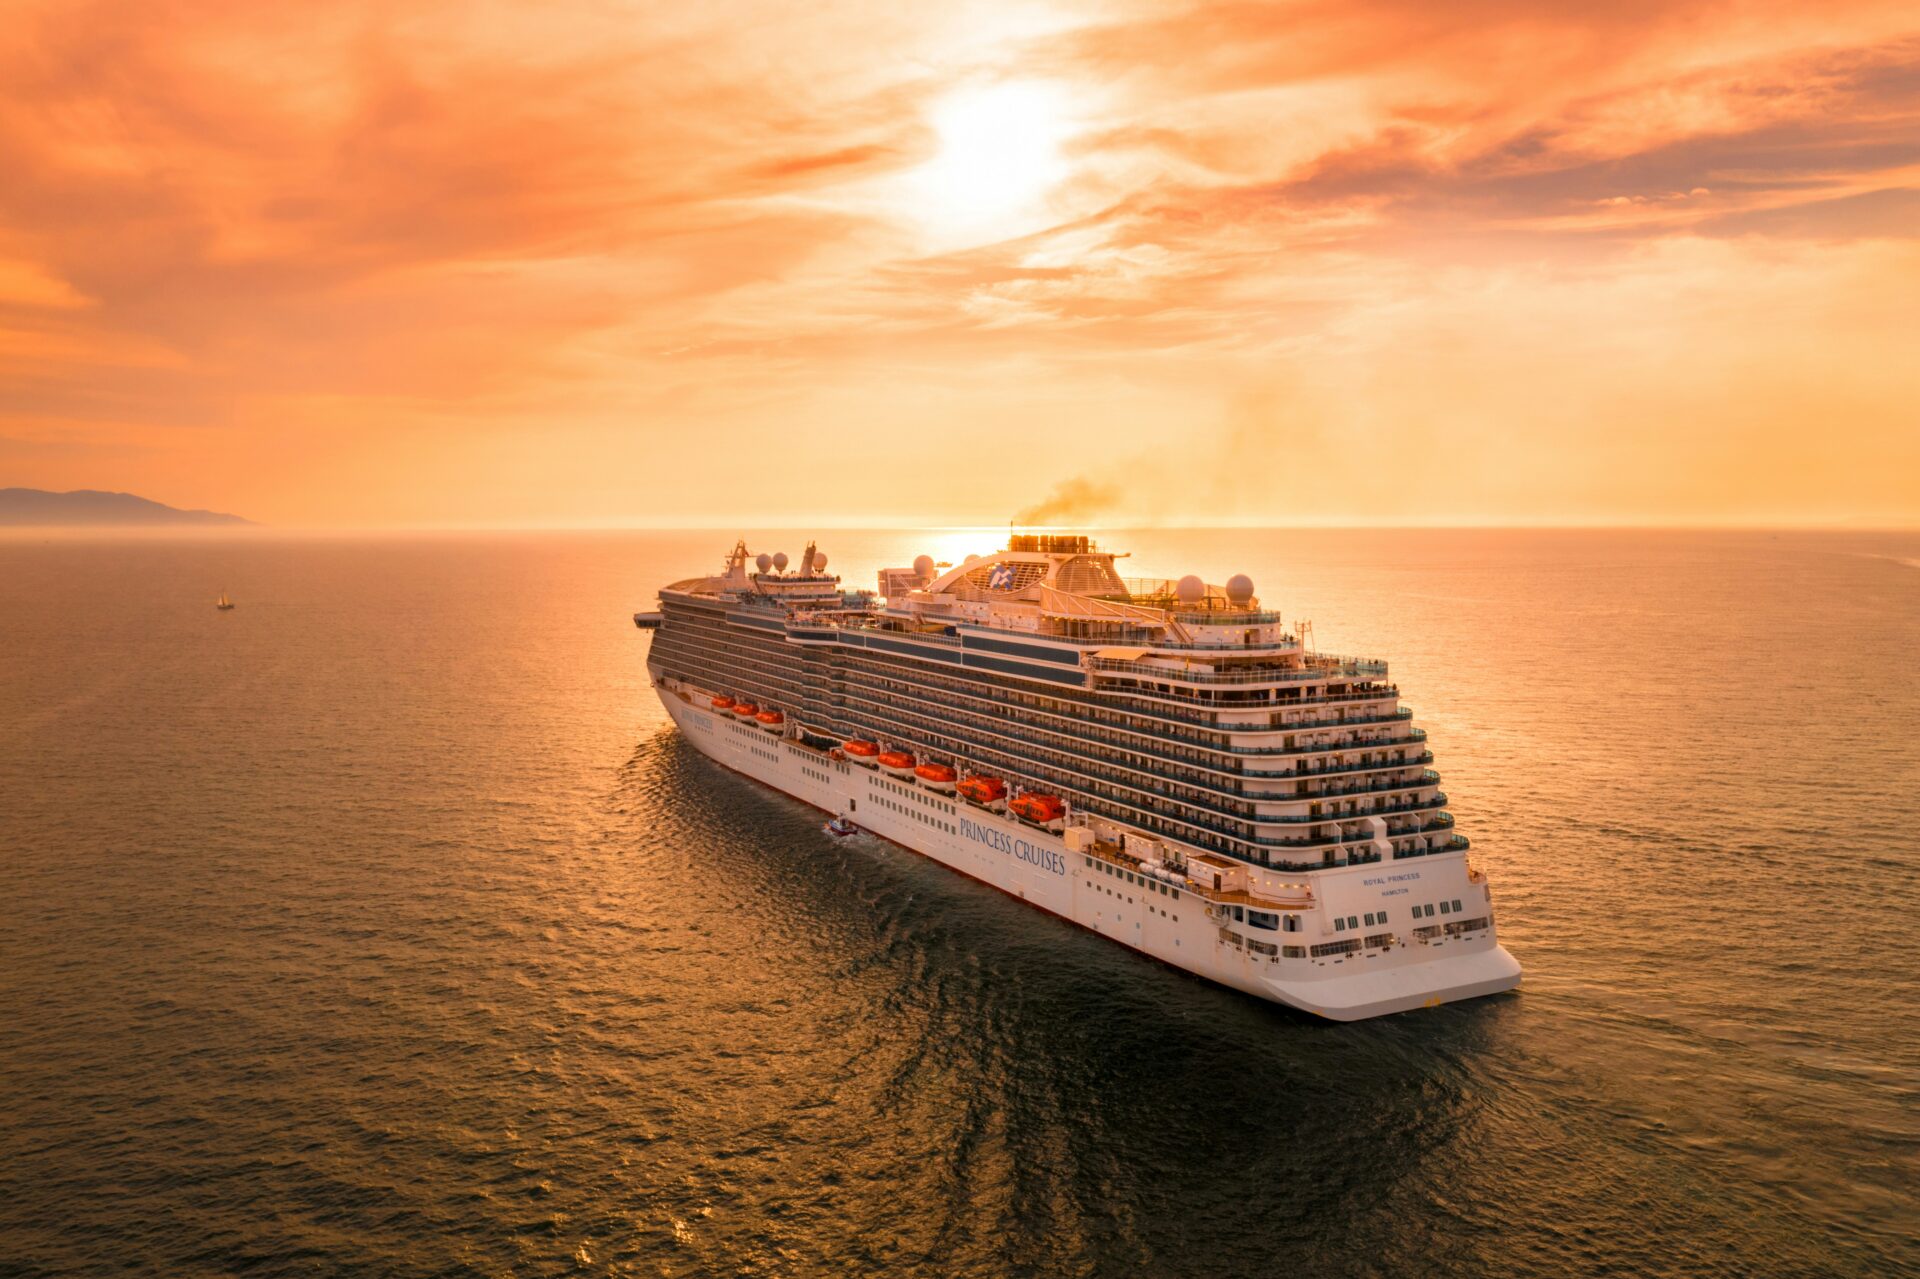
x=1073, y=501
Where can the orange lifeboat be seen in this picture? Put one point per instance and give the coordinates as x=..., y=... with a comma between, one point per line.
x=896, y=762
x=1041, y=810
x=983, y=790
x=862, y=753
x=935, y=776
x=745, y=710
x=772, y=721
x=723, y=703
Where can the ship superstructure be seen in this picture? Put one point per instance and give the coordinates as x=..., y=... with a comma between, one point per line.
x=1164, y=762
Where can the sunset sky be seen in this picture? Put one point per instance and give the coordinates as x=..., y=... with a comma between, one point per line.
x=590, y=262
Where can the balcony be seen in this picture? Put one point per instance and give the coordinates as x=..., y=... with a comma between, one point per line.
x=923, y=722
x=1335, y=770
x=1211, y=756
x=1125, y=694
x=1344, y=669
x=1092, y=796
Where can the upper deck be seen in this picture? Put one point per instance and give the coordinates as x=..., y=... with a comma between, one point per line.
x=1052, y=607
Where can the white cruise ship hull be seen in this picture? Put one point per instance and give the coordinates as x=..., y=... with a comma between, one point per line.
x=1338, y=974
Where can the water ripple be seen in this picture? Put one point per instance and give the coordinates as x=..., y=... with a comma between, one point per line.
x=395, y=931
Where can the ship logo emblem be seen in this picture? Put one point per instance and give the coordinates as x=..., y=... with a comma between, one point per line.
x=1001, y=578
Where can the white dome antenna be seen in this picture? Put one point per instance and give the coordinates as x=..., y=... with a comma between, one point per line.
x=1190, y=590
x=764, y=560
x=923, y=565
x=780, y=561
x=1240, y=590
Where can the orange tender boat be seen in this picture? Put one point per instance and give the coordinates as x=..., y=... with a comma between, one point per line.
x=896, y=761
x=723, y=703
x=982, y=789
x=745, y=710
x=861, y=752
x=770, y=720
x=936, y=776
x=1039, y=809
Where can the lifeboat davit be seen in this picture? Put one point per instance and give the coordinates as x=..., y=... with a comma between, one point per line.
x=723, y=703
x=988, y=792
x=745, y=710
x=935, y=776
x=1041, y=810
x=772, y=721
x=899, y=763
x=862, y=753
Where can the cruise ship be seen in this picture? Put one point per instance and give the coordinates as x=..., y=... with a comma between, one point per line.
x=1161, y=762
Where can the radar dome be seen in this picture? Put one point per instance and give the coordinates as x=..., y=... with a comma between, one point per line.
x=764, y=560
x=819, y=561
x=780, y=560
x=1190, y=590
x=923, y=565
x=1240, y=589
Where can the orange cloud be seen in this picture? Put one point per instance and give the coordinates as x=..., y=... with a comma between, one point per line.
x=415, y=263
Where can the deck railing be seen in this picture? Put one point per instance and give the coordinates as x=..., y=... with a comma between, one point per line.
x=1346, y=668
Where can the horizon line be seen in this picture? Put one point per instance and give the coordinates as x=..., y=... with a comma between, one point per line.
x=257, y=528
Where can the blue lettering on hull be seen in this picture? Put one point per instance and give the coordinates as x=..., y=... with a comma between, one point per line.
x=1001, y=842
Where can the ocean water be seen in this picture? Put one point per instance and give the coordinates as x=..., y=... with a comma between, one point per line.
x=384, y=926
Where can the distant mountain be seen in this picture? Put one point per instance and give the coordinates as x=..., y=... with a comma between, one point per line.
x=87, y=507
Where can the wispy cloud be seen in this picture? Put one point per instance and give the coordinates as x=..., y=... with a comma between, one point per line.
x=519, y=263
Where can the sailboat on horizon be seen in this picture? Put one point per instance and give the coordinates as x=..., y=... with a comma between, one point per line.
x=223, y=603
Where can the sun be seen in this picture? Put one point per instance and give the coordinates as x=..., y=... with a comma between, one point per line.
x=999, y=155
